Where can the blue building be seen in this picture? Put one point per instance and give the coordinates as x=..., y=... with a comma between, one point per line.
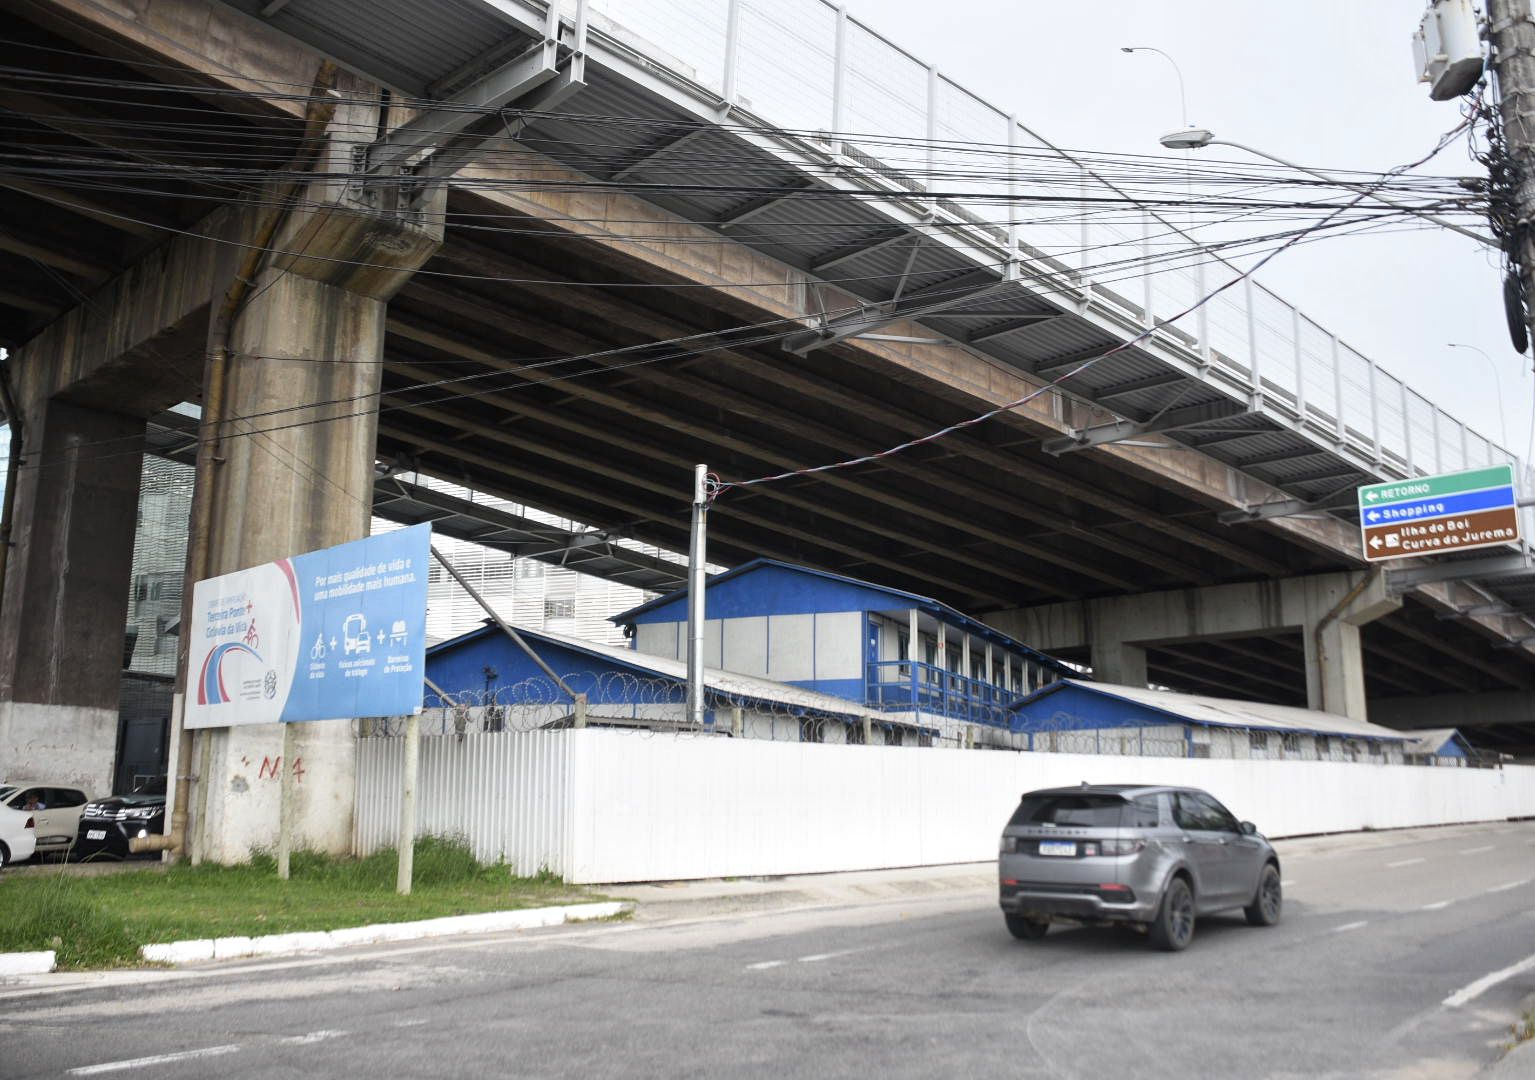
x=1099, y=718
x=901, y=654
x=482, y=681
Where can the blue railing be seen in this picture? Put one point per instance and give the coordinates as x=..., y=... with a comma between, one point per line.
x=901, y=685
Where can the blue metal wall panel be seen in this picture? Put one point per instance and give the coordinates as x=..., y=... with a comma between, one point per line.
x=1065, y=707
x=776, y=590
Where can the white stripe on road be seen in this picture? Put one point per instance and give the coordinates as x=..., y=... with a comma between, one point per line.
x=1487, y=982
x=1439, y=906
x=1404, y=862
x=312, y=1037
x=1351, y=926
x=764, y=965
x=157, y=1059
x=1477, y=850
x=1510, y=885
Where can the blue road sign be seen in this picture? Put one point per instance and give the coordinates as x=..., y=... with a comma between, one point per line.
x=327, y=635
x=1443, y=506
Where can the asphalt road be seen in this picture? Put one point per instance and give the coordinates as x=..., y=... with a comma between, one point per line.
x=1393, y=959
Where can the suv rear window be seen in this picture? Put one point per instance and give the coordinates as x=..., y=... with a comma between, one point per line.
x=1083, y=811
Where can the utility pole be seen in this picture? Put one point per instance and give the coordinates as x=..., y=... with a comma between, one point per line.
x=696, y=585
x=1511, y=33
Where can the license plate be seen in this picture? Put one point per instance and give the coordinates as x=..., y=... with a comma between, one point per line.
x=95, y=834
x=1057, y=847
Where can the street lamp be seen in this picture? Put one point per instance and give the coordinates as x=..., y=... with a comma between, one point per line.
x=1199, y=138
x=1182, y=97
x=1497, y=381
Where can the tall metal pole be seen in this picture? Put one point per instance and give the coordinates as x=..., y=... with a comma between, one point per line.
x=696, y=578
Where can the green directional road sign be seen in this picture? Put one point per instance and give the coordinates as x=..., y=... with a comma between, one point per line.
x=1425, y=487
x=1430, y=515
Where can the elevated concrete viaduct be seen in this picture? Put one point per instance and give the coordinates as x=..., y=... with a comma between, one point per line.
x=550, y=320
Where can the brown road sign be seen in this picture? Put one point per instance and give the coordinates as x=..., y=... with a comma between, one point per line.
x=1462, y=532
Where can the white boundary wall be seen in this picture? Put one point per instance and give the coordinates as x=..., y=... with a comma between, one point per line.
x=613, y=806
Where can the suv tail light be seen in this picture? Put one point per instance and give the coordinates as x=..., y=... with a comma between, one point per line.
x=1122, y=847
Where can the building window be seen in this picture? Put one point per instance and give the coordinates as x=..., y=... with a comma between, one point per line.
x=559, y=609
x=1258, y=740
x=529, y=568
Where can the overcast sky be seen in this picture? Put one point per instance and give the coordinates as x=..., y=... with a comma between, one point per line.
x=1321, y=82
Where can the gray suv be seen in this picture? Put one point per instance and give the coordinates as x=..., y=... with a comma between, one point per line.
x=1152, y=857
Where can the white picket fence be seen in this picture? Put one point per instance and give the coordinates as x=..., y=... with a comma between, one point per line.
x=600, y=806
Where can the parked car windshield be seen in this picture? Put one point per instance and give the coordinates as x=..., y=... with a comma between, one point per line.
x=1091, y=811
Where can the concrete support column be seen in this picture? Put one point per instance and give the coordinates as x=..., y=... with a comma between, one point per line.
x=1327, y=610
x=294, y=469
x=66, y=593
x=1118, y=662
x=1332, y=608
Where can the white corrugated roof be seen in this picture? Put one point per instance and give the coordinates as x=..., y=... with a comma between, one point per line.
x=1428, y=740
x=724, y=682
x=1230, y=712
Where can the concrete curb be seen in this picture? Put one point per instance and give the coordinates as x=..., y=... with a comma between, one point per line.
x=490, y=922
x=26, y=963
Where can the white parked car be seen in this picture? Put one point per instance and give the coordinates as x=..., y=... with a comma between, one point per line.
x=18, y=836
x=55, y=807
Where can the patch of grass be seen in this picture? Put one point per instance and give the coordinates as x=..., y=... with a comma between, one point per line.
x=101, y=921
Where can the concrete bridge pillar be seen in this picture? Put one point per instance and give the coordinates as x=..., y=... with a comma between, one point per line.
x=65, y=603
x=296, y=469
x=1326, y=609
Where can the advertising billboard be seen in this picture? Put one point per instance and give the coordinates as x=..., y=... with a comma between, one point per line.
x=327, y=635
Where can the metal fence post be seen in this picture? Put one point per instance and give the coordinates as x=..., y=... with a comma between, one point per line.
x=1300, y=366
x=1012, y=186
x=932, y=127
x=1337, y=390
x=410, y=771
x=839, y=82
x=1407, y=430
x=1150, y=319
x=732, y=41
x=1375, y=413
x=1087, y=245
x=1252, y=343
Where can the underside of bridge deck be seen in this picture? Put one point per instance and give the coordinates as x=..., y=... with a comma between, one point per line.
x=550, y=356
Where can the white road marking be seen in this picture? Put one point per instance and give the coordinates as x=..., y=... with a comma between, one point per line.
x=765, y=964
x=1350, y=926
x=1477, y=850
x=1404, y=862
x=410, y=1023
x=817, y=957
x=1438, y=906
x=1510, y=885
x=1487, y=982
x=312, y=1037
x=157, y=1059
